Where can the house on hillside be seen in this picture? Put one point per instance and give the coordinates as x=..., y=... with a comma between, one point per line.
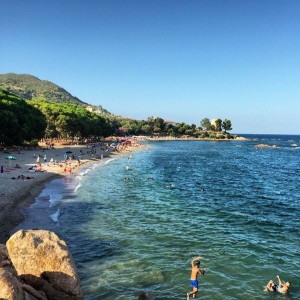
x=168, y=122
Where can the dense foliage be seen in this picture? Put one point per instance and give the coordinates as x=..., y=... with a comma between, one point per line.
x=155, y=126
x=63, y=116
x=19, y=121
x=69, y=121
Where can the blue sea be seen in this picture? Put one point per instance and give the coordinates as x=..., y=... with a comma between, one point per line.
x=133, y=231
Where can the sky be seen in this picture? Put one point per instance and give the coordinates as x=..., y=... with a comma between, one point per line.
x=181, y=60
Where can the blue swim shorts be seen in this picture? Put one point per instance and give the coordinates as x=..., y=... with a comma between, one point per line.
x=194, y=283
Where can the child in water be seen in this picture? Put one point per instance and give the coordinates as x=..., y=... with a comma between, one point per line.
x=194, y=275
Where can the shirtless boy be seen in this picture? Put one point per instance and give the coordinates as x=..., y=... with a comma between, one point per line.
x=194, y=275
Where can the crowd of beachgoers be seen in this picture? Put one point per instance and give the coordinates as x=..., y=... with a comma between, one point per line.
x=25, y=171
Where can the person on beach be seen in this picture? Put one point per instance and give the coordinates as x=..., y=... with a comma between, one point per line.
x=194, y=276
x=282, y=287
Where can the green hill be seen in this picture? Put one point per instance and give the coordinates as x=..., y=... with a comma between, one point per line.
x=30, y=87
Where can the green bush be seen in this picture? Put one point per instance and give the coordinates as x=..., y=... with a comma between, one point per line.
x=204, y=135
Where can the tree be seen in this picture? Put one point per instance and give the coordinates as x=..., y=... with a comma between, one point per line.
x=205, y=123
x=226, y=125
x=146, y=129
x=156, y=129
x=132, y=126
x=218, y=125
x=72, y=121
x=169, y=129
x=160, y=123
x=184, y=128
x=19, y=122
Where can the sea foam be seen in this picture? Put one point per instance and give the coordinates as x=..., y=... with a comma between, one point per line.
x=109, y=160
x=77, y=187
x=54, y=217
x=54, y=199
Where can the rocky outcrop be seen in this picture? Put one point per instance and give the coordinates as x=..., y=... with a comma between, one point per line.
x=266, y=146
x=37, y=265
x=10, y=287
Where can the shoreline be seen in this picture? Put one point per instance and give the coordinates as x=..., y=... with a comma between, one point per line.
x=181, y=139
x=17, y=194
x=10, y=214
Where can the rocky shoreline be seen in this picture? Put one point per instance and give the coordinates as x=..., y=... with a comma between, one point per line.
x=36, y=264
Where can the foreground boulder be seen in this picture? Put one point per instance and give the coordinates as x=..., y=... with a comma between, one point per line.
x=43, y=261
x=10, y=287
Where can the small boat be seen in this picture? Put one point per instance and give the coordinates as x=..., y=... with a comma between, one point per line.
x=294, y=145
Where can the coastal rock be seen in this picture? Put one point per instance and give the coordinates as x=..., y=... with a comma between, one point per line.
x=266, y=146
x=10, y=287
x=43, y=261
x=3, y=254
x=31, y=292
x=5, y=262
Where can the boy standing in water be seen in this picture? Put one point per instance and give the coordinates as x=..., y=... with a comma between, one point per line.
x=194, y=281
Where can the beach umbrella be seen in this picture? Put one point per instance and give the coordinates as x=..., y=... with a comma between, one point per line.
x=10, y=158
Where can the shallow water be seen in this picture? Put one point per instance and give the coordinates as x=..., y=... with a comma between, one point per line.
x=137, y=230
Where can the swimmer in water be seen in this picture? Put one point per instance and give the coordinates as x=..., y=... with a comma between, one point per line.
x=143, y=296
x=282, y=287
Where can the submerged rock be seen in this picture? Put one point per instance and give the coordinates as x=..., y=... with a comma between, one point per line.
x=42, y=261
x=266, y=146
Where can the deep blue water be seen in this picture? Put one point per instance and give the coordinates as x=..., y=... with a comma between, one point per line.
x=137, y=230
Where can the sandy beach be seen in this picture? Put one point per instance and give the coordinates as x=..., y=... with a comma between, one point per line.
x=25, y=176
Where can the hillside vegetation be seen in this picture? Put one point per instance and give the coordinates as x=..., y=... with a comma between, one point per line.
x=19, y=121
x=29, y=87
x=31, y=109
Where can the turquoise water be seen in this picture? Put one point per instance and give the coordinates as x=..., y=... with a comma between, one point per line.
x=137, y=230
